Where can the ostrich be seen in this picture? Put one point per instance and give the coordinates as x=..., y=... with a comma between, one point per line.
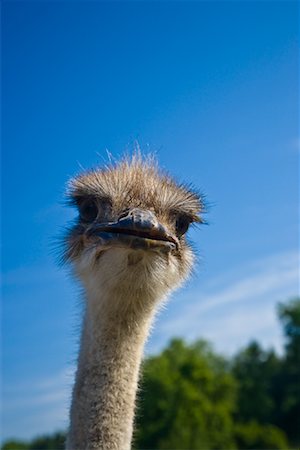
x=129, y=251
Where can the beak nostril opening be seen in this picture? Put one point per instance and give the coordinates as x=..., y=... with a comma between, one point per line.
x=124, y=214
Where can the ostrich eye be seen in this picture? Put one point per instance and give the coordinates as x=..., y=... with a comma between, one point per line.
x=182, y=225
x=88, y=211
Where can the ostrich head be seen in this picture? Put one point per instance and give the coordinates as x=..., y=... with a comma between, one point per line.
x=130, y=235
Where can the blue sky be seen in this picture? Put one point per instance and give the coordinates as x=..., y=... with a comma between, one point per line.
x=212, y=89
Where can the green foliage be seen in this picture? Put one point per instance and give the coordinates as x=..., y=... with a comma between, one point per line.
x=289, y=407
x=15, y=445
x=55, y=441
x=188, y=396
x=289, y=315
x=52, y=442
x=254, y=436
x=257, y=372
x=269, y=386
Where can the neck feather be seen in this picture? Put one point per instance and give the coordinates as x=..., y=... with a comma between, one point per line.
x=113, y=336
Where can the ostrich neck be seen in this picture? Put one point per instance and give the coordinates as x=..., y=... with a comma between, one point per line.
x=111, y=349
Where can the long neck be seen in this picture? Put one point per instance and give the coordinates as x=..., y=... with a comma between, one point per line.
x=111, y=350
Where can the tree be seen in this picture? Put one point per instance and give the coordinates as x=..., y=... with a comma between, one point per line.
x=256, y=372
x=254, y=436
x=289, y=419
x=15, y=445
x=187, y=400
x=54, y=441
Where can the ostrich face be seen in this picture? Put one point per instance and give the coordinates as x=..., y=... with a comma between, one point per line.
x=130, y=231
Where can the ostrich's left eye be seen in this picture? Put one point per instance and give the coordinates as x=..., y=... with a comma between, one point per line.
x=88, y=211
x=182, y=225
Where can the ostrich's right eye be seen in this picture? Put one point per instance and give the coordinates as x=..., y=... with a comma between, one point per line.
x=182, y=225
x=88, y=211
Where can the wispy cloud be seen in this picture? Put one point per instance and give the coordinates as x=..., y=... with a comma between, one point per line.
x=231, y=313
x=37, y=406
x=270, y=274
x=295, y=143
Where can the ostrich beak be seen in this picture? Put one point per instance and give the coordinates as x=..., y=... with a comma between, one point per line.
x=137, y=228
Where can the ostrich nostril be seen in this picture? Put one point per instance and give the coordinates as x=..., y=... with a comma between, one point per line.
x=124, y=214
